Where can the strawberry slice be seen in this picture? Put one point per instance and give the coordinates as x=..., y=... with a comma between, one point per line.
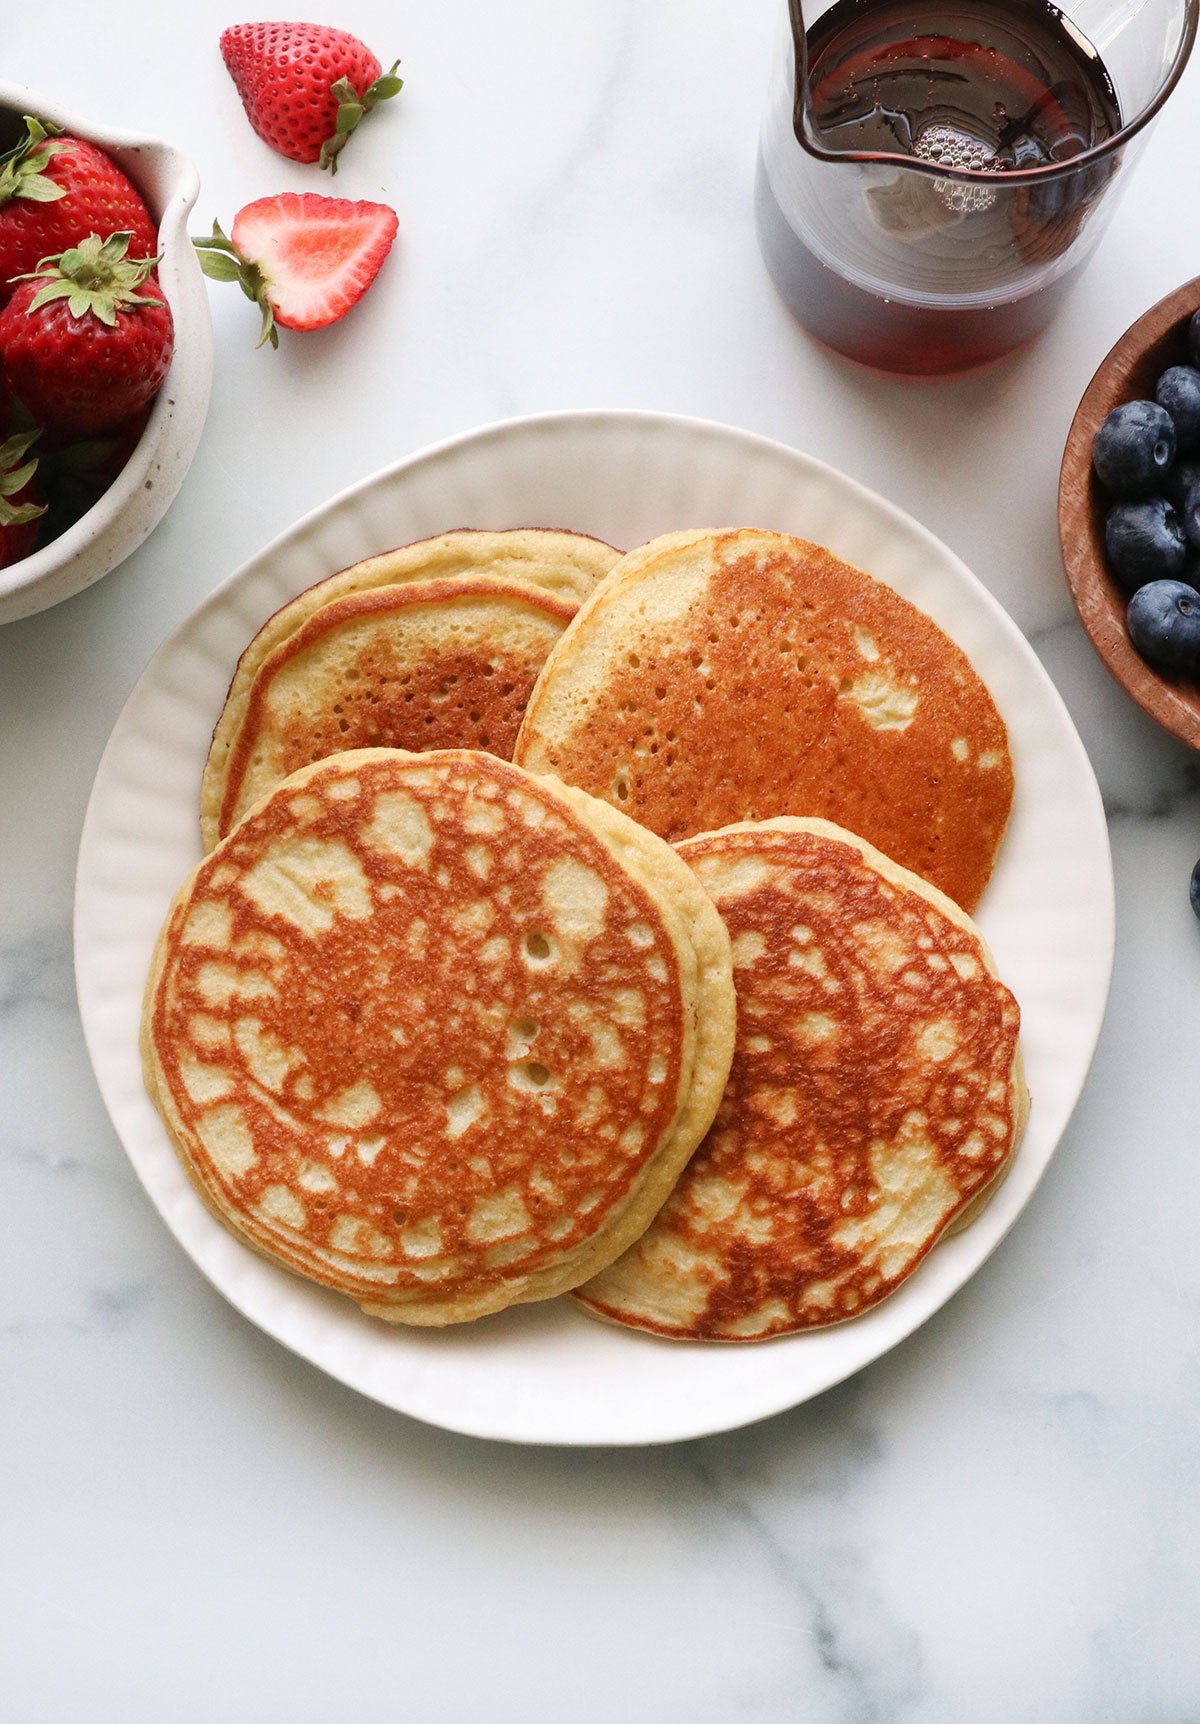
x=303, y=258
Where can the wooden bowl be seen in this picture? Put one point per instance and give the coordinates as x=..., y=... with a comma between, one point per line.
x=1128, y=373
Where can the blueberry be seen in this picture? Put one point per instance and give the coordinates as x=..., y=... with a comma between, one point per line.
x=1178, y=480
x=1189, y=516
x=1194, y=889
x=1178, y=390
x=1144, y=542
x=1194, y=338
x=1134, y=448
x=1164, y=624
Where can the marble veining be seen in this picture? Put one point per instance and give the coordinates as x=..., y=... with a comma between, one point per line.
x=36, y=974
x=847, y=1648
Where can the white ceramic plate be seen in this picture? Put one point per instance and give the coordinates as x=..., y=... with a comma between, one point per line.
x=547, y=1373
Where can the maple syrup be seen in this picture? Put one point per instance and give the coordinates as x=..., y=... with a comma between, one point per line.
x=920, y=272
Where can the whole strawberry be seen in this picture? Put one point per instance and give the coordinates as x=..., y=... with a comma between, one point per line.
x=305, y=86
x=74, y=471
x=20, y=509
x=54, y=191
x=82, y=347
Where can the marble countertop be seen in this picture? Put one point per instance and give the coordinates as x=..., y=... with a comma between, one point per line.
x=999, y=1521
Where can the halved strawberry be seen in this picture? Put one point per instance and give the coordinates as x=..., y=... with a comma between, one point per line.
x=305, y=86
x=303, y=258
x=56, y=190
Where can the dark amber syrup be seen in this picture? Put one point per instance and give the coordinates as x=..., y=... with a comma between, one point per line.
x=988, y=86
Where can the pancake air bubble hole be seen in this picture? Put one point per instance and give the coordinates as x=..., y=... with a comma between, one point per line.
x=530, y=1074
x=538, y=948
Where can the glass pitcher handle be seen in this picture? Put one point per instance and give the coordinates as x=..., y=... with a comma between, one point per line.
x=800, y=45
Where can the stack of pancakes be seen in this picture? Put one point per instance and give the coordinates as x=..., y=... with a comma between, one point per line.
x=436, y=645
x=583, y=923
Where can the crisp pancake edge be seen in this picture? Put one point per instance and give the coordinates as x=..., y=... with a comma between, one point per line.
x=971, y=1207
x=532, y=749
x=581, y=562
x=701, y=943
x=628, y=569
x=219, y=783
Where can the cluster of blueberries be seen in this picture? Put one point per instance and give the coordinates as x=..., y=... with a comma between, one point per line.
x=1147, y=457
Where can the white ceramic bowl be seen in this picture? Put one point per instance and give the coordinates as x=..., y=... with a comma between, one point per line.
x=138, y=497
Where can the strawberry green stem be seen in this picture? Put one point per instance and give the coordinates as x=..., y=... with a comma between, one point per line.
x=22, y=169
x=351, y=109
x=15, y=474
x=221, y=260
x=94, y=276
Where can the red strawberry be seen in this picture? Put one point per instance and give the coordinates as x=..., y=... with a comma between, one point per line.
x=304, y=259
x=73, y=472
x=19, y=507
x=304, y=86
x=54, y=191
x=83, y=349
x=100, y=458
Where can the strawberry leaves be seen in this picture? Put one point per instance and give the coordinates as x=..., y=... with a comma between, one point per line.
x=94, y=276
x=221, y=260
x=352, y=108
x=305, y=87
x=54, y=191
x=15, y=475
x=22, y=168
x=80, y=345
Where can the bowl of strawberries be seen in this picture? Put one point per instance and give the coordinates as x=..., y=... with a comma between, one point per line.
x=105, y=346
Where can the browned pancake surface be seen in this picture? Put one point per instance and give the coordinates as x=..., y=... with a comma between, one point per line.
x=793, y=684
x=438, y=664
x=389, y=1058
x=874, y=1093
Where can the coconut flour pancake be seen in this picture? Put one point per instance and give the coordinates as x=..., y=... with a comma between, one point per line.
x=565, y=565
x=425, y=665
x=875, y=1094
x=725, y=676
x=438, y=1034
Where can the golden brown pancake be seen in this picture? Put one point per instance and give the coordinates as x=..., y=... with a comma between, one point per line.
x=430, y=664
x=875, y=1095
x=438, y=1034
x=566, y=566
x=725, y=676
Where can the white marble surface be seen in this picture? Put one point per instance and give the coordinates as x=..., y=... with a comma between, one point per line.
x=999, y=1521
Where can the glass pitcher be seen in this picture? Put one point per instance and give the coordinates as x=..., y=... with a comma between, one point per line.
x=938, y=248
